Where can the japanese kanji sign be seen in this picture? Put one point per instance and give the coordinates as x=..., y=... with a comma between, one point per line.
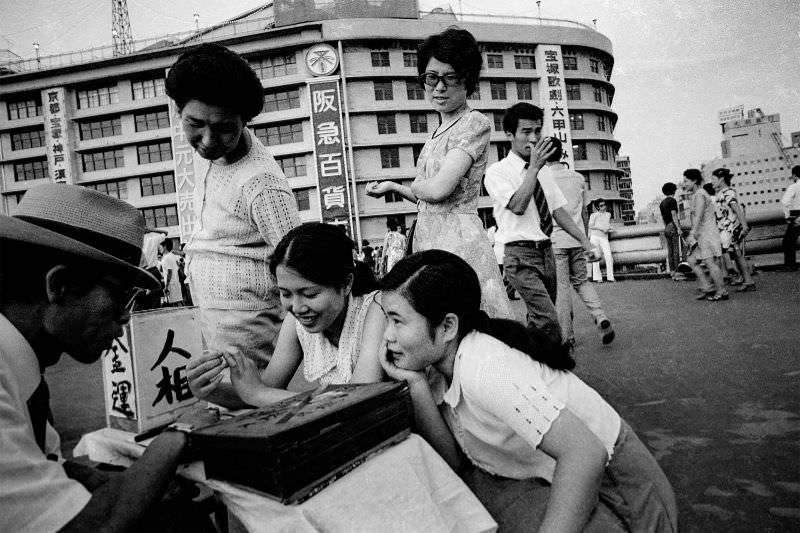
x=144, y=373
x=329, y=152
x=57, y=134
x=553, y=98
x=183, y=161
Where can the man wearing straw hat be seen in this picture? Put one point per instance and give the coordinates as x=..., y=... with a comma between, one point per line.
x=69, y=261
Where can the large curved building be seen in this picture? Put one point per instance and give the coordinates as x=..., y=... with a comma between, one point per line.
x=105, y=122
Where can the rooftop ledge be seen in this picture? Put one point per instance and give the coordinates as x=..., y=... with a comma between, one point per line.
x=230, y=29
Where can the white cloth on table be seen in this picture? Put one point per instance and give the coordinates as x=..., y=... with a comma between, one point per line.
x=405, y=488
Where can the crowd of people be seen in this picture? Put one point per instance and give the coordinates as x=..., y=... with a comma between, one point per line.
x=495, y=397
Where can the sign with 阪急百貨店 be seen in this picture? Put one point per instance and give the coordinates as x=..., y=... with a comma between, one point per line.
x=329, y=152
x=144, y=372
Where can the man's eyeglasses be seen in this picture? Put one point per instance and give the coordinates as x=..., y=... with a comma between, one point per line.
x=451, y=79
x=130, y=297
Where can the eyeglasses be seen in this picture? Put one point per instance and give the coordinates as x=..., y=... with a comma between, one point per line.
x=451, y=79
x=127, y=295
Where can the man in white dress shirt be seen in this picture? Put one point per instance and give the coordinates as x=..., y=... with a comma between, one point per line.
x=525, y=204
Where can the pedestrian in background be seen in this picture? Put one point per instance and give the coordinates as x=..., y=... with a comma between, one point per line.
x=571, y=271
x=791, y=210
x=733, y=227
x=672, y=229
x=703, y=239
x=394, y=245
x=173, y=295
x=599, y=228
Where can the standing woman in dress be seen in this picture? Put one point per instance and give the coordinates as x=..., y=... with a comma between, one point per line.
x=394, y=246
x=703, y=239
x=452, y=163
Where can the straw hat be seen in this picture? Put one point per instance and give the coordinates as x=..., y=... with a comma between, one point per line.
x=83, y=223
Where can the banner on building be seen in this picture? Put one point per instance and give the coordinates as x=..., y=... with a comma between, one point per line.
x=144, y=372
x=553, y=98
x=183, y=160
x=57, y=134
x=329, y=152
x=295, y=11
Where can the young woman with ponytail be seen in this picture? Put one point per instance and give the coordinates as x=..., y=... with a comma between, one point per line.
x=510, y=405
x=332, y=325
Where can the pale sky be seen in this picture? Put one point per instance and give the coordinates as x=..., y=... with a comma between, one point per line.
x=677, y=63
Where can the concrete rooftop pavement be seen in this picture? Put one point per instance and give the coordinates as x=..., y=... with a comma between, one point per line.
x=712, y=388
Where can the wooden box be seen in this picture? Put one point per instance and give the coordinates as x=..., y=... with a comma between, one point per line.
x=296, y=447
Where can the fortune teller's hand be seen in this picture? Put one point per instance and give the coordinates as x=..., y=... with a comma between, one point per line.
x=378, y=189
x=387, y=361
x=245, y=376
x=205, y=373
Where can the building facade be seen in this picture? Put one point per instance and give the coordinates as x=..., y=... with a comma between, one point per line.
x=107, y=123
x=760, y=161
x=626, y=190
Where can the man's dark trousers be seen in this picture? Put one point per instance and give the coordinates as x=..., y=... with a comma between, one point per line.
x=530, y=267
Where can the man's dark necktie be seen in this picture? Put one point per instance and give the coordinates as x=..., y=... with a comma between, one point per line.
x=545, y=218
x=39, y=409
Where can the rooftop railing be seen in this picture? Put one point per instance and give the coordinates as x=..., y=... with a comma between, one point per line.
x=233, y=28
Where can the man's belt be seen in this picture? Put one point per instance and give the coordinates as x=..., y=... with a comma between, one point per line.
x=536, y=245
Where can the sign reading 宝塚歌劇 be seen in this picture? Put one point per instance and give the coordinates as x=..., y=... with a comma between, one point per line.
x=329, y=151
x=144, y=372
x=553, y=98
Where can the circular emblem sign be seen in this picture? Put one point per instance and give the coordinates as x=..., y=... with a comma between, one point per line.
x=321, y=59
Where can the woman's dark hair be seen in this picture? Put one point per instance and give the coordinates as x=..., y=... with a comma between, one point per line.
x=517, y=111
x=555, y=157
x=723, y=173
x=436, y=282
x=216, y=76
x=456, y=47
x=323, y=254
x=694, y=175
x=709, y=189
x=391, y=224
x=669, y=188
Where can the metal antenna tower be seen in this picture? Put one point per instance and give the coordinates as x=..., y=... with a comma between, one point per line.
x=121, y=28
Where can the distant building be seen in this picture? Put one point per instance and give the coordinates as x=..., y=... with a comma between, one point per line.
x=626, y=190
x=760, y=161
x=104, y=121
x=651, y=214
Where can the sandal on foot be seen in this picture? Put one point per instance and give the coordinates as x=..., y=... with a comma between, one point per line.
x=746, y=287
x=718, y=297
x=705, y=294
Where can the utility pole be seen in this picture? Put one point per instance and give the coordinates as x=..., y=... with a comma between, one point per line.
x=121, y=28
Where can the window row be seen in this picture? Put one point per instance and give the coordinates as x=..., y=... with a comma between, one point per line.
x=114, y=158
x=607, y=151
x=109, y=95
x=31, y=170
x=24, y=140
x=384, y=90
x=160, y=217
x=381, y=58
x=275, y=66
x=387, y=124
x=24, y=108
x=600, y=93
x=291, y=132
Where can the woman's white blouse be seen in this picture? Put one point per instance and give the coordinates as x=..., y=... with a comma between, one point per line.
x=501, y=403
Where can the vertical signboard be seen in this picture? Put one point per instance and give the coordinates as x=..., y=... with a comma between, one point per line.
x=553, y=97
x=185, y=174
x=144, y=372
x=329, y=154
x=57, y=134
